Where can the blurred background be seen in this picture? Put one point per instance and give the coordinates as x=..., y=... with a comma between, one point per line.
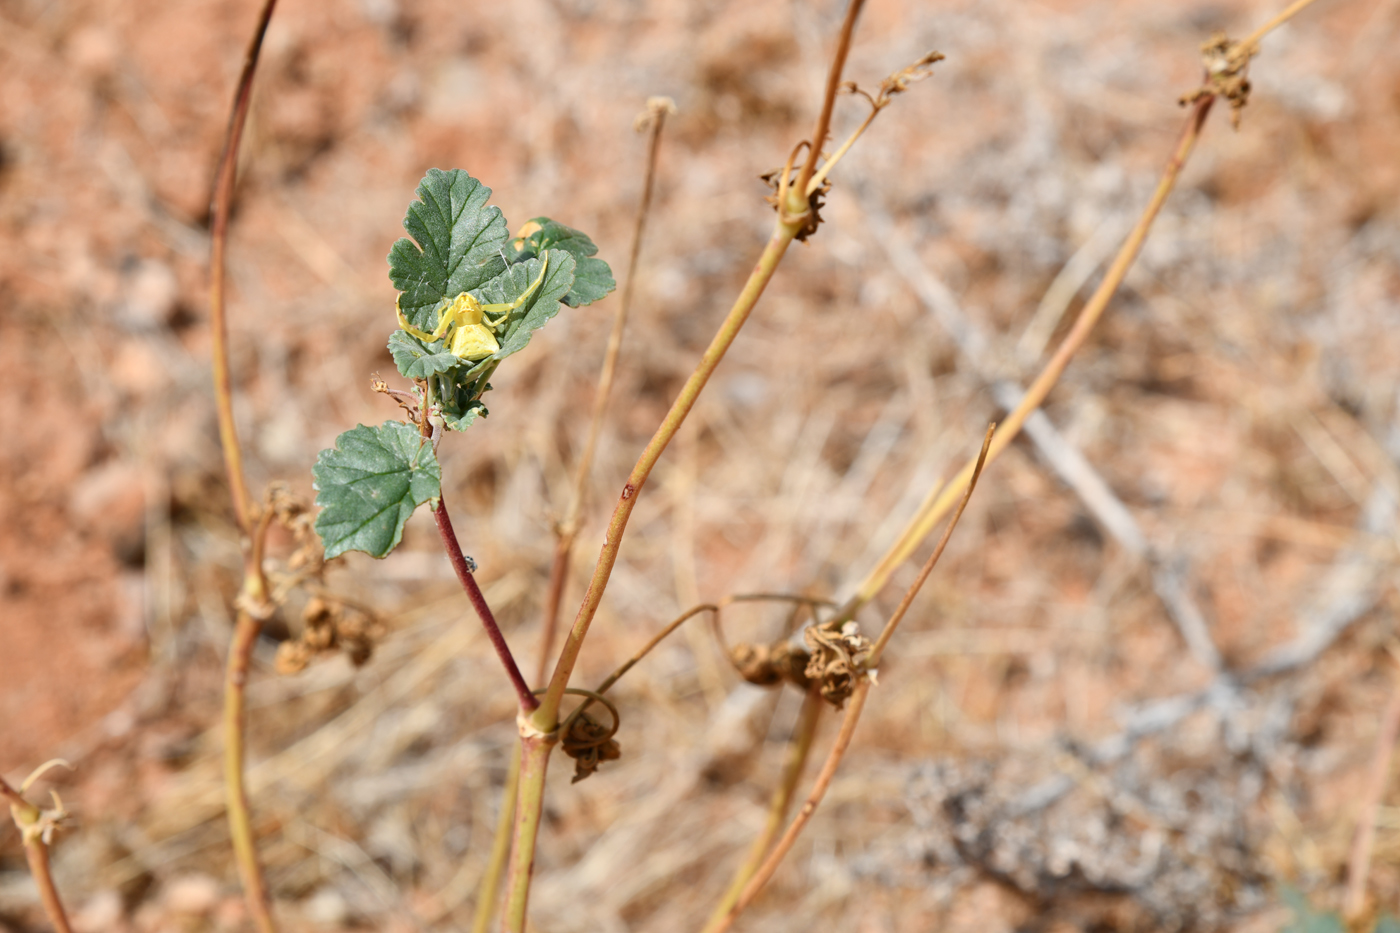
x=1142, y=691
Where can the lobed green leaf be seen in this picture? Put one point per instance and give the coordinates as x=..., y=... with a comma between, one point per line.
x=458, y=246
x=419, y=359
x=370, y=483
x=542, y=305
x=593, y=278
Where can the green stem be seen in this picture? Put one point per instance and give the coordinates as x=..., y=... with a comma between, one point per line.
x=500, y=849
x=798, y=751
x=534, y=761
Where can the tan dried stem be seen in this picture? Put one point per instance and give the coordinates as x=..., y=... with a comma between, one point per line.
x=822, y=128
x=653, y=119
x=944, y=497
x=253, y=605
x=794, y=762
x=804, y=815
x=941, y=498
x=896, y=83
x=541, y=730
x=36, y=827
x=1227, y=64
x=848, y=724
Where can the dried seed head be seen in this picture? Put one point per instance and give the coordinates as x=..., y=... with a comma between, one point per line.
x=836, y=657
x=292, y=657
x=766, y=665
x=1227, y=74
x=589, y=743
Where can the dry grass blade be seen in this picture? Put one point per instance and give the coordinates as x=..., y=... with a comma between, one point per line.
x=1364, y=839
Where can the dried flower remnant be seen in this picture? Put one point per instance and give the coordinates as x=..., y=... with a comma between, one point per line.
x=1227, y=74
x=768, y=665
x=330, y=625
x=836, y=657
x=588, y=742
x=898, y=82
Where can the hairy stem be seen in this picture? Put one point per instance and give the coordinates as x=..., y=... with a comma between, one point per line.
x=464, y=567
x=941, y=499
x=798, y=751
x=245, y=635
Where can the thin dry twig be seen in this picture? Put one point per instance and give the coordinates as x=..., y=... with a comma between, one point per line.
x=941, y=499
x=253, y=606
x=1364, y=839
x=794, y=762
x=654, y=120
x=857, y=702
x=800, y=192
x=1068, y=462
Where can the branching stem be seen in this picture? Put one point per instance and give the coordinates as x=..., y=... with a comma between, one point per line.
x=799, y=191
x=36, y=852
x=546, y=717
x=852, y=717
x=253, y=597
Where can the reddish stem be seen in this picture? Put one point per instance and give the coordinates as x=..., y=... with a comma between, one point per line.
x=462, y=564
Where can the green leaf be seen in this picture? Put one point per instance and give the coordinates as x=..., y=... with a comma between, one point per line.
x=418, y=359
x=460, y=423
x=1387, y=924
x=542, y=305
x=1306, y=919
x=370, y=483
x=593, y=279
x=459, y=244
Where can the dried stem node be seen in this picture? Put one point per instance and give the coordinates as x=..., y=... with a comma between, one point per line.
x=1227, y=74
